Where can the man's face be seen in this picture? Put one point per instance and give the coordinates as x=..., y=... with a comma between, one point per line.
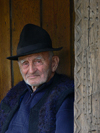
x=36, y=69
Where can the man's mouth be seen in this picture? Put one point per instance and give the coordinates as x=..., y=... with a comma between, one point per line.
x=32, y=76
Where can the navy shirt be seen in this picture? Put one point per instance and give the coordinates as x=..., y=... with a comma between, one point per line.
x=20, y=121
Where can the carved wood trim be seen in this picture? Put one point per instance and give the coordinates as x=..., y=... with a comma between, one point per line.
x=87, y=66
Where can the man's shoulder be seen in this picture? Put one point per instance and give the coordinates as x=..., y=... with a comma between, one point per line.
x=21, y=83
x=63, y=87
x=64, y=80
x=19, y=87
x=63, y=90
x=15, y=92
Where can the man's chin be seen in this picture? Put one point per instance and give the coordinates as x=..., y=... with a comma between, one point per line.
x=35, y=84
x=32, y=83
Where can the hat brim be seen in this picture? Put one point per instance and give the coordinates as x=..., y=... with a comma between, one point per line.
x=33, y=52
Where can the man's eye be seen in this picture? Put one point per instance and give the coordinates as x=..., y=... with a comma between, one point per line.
x=25, y=63
x=38, y=62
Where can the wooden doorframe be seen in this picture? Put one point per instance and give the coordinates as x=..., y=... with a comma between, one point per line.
x=87, y=66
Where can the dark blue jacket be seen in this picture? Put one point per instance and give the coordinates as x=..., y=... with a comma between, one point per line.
x=52, y=114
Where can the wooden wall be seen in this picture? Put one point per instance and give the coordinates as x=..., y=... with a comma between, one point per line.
x=53, y=15
x=87, y=66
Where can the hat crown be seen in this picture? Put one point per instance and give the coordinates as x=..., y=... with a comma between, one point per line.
x=32, y=35
x=33, y=39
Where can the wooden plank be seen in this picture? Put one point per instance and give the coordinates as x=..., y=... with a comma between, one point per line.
x=87, y=67
x=5, y=72
x=23, y=12
x=80, y=74
x=56, y=20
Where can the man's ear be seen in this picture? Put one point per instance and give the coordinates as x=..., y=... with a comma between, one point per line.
x=55, y=62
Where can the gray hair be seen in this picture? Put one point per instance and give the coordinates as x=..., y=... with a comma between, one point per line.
x=51, y=54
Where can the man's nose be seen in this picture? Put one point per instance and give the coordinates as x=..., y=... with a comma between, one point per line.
x=32, y=68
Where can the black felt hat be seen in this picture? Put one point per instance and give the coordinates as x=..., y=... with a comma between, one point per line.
x=33, y=39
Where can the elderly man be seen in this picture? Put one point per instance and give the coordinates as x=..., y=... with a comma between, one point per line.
x=43, y=101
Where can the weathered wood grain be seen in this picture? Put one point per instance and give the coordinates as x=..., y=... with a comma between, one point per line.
x=87, y=66
x=56, y=20
x=5, y=67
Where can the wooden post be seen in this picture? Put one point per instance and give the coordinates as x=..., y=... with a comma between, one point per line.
x=87, y=66
x=5, y=66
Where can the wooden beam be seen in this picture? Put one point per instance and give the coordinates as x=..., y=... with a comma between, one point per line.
x=5, y=67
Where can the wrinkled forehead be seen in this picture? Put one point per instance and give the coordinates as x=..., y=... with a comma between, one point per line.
x=41, y=55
